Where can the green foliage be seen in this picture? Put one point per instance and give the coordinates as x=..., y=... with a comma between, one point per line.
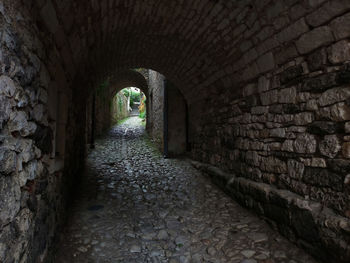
x=134, y=97
x=126, y=92
x=142, y=115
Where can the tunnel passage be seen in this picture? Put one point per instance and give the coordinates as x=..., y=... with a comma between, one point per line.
x=101, y=96
x=267, y=88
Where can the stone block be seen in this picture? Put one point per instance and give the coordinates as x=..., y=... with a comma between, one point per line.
x=311, y=105
x=10, y=194
x=323, y=177
x=291, y=73
x=270, y=97
x=278, y=132
x=260, y=110
x=323, y=127
x=293, y=31
x=327, y=11
x=305, y=143
x=314, y=39
x=330, y=146
x=287, y=95
x=5, y=110
x=286, y=54
x=317, y=59
x=295, y=169
x=263, y=84
x=320, y=83
x=340, y=26
x=334, y=95
x=336, y=112
x=19, y=122
x=347, y=127
x=346, y=150
x=339, y=52
x=266, y=62
x=318, y=162
x=304, y=118
x=7, y=86
x=8, y=161
x=288, y=146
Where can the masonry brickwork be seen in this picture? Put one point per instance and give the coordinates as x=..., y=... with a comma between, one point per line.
x=267, y=87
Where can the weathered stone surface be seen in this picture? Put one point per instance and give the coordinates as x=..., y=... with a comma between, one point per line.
x=295, y=169
x=287, y=95
x=326, y=12
x=7, y=86
x=304, y=118
x=323, y=177
x=339, y=52
x=9, y=201
x=346, y=150
x=330, y=146
x=38, y=113
x=5, y=110
x=291, y=73
x=269, y=97
x=266, y=62
x=293, y=31
x=311, y=40
x=320, y=83
x=347, y=127
x=323, y=127
x=264, y=84
x=8, y=160
x=334, y=95
x=317, y=59
x=305, y=143
x=339, y=26
x=336, y=112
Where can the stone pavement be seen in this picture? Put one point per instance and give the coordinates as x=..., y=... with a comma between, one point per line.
x=135, y=206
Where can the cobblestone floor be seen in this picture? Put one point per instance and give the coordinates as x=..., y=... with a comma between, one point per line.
x=135, y=206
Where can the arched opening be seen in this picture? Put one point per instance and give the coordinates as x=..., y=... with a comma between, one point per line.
x=267, y=106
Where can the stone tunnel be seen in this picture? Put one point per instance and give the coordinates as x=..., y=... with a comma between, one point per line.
x=262, y=88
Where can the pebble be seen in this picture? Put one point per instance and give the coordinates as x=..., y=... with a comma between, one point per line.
x=144, y=208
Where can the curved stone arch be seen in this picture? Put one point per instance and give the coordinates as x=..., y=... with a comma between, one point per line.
x=127, y=78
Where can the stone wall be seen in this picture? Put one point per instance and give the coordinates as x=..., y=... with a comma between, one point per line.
x=266, y=83
x=288, y=126
x=35, y=109
x=120, y=108
x=156, y=106
x=177, y=126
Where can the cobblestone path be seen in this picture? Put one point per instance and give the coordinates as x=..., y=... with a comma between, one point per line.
x=135, y=206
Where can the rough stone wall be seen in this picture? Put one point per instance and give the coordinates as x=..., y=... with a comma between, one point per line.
x=156, y=105
x=120, y=108
x=288, y=126
x=34, y=111
x=177, y=129
x=103, y=110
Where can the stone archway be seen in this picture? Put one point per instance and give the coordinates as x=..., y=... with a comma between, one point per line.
x=266, y=83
